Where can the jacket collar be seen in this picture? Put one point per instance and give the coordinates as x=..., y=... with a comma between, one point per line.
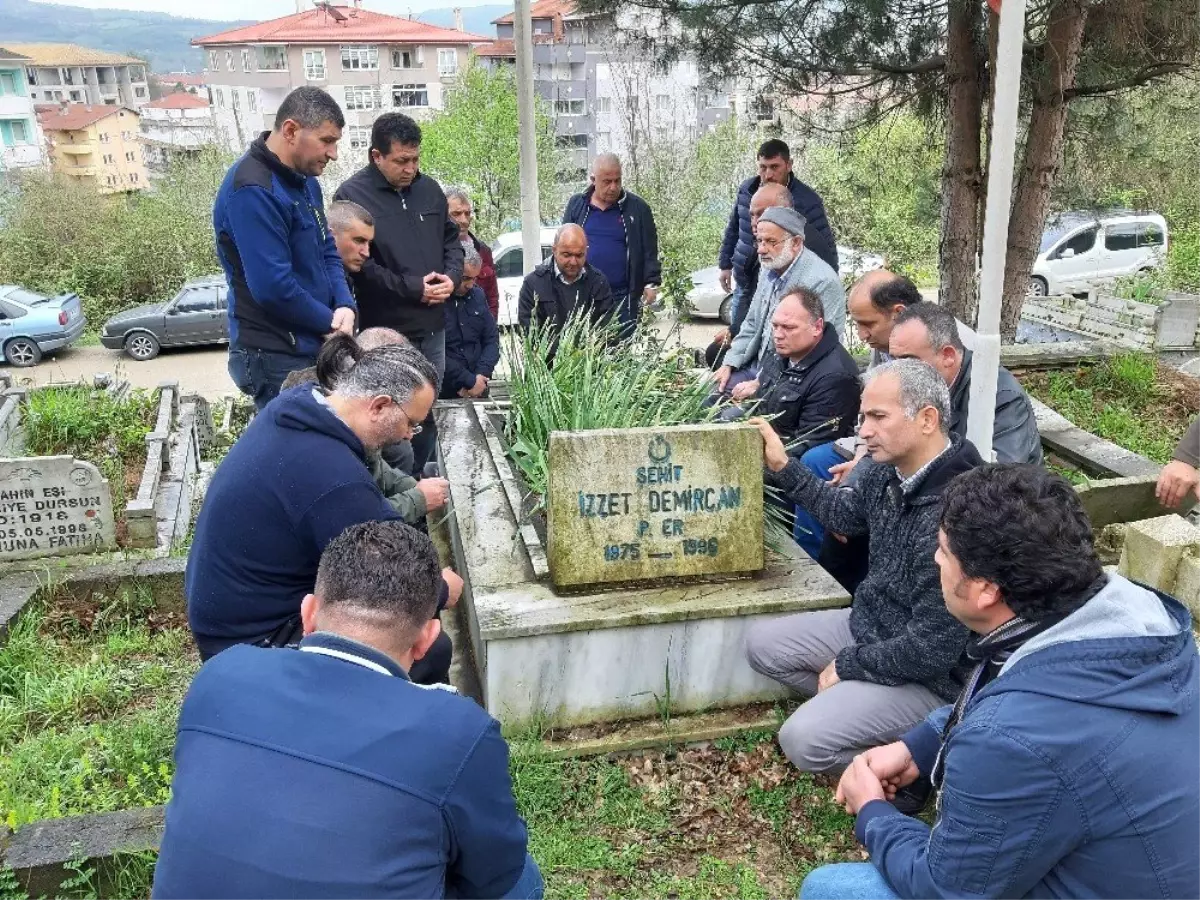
x=956, y=459
x=326, y=643
x=620, y=204
x=962, y=381
x=259, y=151
x=379, y=182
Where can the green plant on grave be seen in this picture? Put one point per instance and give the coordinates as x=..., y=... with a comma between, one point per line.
x=1143, y=287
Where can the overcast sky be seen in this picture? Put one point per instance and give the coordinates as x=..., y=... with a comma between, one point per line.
x=261, y=9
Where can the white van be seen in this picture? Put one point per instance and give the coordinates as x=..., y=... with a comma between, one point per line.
x=1079, y=249
x=509, y=258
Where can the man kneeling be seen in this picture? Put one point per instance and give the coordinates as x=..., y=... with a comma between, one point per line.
x=325, y=772
x=881, y=666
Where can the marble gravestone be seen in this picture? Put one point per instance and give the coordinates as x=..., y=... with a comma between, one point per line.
x=648, y=503
x=53, y=506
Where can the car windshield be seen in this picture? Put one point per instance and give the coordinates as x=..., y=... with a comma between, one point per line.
x=27, y=298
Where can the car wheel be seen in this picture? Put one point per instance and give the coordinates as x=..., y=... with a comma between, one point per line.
x=1038, y=286
x=726, y=311
x=142, y=346
x=22, y=352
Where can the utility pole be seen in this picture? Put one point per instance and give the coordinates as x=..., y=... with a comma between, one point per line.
x=531, y=220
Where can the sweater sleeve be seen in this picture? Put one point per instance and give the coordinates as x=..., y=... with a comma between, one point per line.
x=260, y=229
x=347, y=504
x=409, y=288
x=839, y=509
x=1188, y=450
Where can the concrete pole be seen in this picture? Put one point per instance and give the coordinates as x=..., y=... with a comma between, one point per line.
x=531, y=220
x=986, y=364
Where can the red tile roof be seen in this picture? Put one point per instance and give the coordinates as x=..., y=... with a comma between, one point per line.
x=340, y=24
x=187, y=79
x=178, y=100
x=542, y=9
x=74, y=116
x=496, y=50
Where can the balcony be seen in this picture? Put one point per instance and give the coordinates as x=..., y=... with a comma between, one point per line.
x=17, y=107
x=78, y=171
x=77, y=149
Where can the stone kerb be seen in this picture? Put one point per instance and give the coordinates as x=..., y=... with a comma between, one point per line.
x=140, y=511
x=1162, y=552
x=1173, y=324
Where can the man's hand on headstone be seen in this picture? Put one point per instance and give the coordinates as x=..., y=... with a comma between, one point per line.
x=436, y=492
x=438, y=288
x=774, y=455
x=454, y=584
x=745, y=390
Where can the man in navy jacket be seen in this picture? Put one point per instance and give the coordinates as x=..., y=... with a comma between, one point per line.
x=325, y=772
x=287, y=287
x=1068, y=764
x=472, y=339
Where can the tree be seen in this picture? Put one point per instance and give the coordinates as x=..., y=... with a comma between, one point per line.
x=936, y=57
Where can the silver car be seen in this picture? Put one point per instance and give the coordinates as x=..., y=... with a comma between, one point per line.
x=194, y=316
x=32, y=324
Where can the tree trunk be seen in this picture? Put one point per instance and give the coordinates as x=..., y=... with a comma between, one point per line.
x=961, y=178
x=1043, y=154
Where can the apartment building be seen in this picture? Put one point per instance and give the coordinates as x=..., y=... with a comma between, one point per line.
x=70, y=73
x=369, y=62
x=20, y=137
x=96, y=145
x=177, y=126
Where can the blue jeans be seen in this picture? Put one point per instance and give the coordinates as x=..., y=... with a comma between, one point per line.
x=528, y=887
x=259, y=374
x=808, y=532
x=846, y=881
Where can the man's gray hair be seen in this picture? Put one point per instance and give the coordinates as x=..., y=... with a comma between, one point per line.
x=454, y=192
x=605, y=159
x=921, y=385
x=344, y=212
x=397, y=370
x=471, y=256
x=938, y=321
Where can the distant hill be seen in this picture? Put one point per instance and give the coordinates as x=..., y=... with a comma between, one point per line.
x=166, y=40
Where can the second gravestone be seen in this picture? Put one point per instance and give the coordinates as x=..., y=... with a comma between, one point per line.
x=644, y=503
x=53, y=506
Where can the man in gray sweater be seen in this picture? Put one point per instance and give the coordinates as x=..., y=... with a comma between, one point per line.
x=877, y=669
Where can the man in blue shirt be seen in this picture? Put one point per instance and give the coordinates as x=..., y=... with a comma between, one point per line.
x=287, y=286
x=325, y=772
x=622, y=239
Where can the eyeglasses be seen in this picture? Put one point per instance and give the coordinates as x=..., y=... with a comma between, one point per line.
x=770, y=242
x=414, y=430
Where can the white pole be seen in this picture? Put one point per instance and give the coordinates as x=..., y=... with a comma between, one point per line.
x=531, y=221
x=986, y=364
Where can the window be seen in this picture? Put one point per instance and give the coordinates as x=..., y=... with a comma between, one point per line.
x=104, y=137
x=251, y=101
x=314, y=65
x=1132, y=235
x=447, y=61
x=511, y=264
x=107, y=158
x=245, y=60
x=8, y=83
x=271, y=59
x=572, y=140
x=134, y=177
x=137, y=73
x=229, y=60
x=219, y=96
x=408, y=59
x=212, y=60
x=137, y=92
x=359, y=58
x=1149, y=235
x=198, y=300
x=604, y=105
x=19, y=133
x=31, y=76
x=129, y=157
x=363, y=97
x=1080, y=243
x=235, y=98
x=662, y=102
x=404, y=95
x=568, y=107
x=359, y=137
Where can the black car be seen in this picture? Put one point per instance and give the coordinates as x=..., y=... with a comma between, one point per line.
x=196, y=315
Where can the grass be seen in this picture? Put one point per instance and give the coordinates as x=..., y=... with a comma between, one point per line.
x=223, y=440
x=1129, y=399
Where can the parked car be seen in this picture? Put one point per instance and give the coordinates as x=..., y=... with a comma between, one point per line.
x=509, y=257
x=32, y=324
x=710, y=301
x=196, y=315
x=1080, y=248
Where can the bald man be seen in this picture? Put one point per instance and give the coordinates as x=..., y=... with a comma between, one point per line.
x=874, y=303
x=564, y=285
x=622, y=238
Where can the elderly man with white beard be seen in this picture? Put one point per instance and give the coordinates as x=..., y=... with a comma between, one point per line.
x=787, y=266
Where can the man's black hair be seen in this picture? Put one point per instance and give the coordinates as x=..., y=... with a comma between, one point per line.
x=1023, y=528
x=939, y=322
x=900, y=289
x=310, y=107
x=394, y=128
x=386, y=572
x=773, y=148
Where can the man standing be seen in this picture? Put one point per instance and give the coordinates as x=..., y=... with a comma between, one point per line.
x=622, y=239
x=564, y=285
x=472, y=339
x=928, y=332
x=325, y=772
x=738, y=260
x=286, y=287
x=462, y=211
x=873, y=671
x=1067, y=765
x=416, y=257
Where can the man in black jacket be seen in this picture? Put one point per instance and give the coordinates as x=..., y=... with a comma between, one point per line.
x=472, y=339
x=416, y=257
x=564, y=285
x=875, y=670
x=622, y=239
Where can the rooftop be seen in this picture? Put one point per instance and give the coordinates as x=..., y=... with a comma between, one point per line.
x=71, y=55
x=496, y=50
x=178, y=100
x=74, y=116
x=542, y=9
x=5, y=53
x=330, y=24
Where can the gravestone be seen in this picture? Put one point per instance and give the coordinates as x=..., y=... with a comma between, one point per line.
x=53, y=506
x=647, y=503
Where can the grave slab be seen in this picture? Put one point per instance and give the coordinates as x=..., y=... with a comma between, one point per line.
x=53, y=506
x=1154, y=549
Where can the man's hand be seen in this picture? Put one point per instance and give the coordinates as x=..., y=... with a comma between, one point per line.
x=859, y=786
x=726, y=279
x=828, y=677
x=893, y=765
x=455, y=584
x=723, y=337
x=1177, y=480
x=481, y=385
x=649, y=294
x=774, y=456
x=436, y=492
x=722, y=375
x=745, y=390
x=842, y=470
x=438, y=288
x=343, y=321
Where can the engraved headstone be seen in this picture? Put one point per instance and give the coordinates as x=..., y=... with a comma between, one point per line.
x=644, y=503
x=54, y=506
